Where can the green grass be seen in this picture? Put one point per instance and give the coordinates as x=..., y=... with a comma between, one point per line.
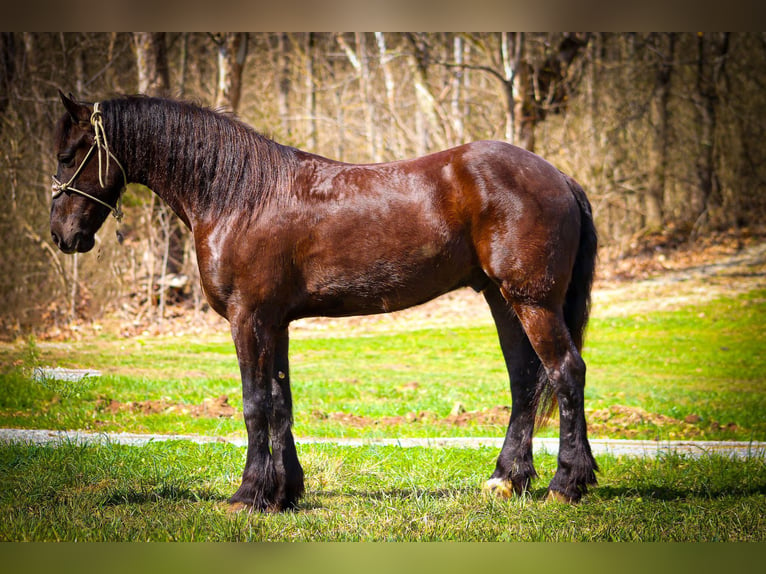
x=705, y=360
x=653, y=371
x=701, y=364
x=177, y=491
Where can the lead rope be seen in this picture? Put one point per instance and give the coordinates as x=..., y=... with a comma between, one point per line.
x=97, y=121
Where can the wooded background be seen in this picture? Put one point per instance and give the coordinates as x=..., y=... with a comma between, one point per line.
x=665, y=132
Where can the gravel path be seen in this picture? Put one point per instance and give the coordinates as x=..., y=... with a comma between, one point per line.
x=550, y=445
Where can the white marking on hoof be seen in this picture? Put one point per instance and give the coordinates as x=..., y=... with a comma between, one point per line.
x=237, y=507
x=499, y=487
x=555, y=496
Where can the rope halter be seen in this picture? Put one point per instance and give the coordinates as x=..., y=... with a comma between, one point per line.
x=99, y=143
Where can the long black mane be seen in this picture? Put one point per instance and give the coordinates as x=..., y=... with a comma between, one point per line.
x=216, y=162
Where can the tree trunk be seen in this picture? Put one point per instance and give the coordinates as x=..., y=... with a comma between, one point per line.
x=524, y=111
x=369, y=103
x=311, y=100
x=183, y=64
x=7, y=68
x=426, y=117
x=358, y=60
x=458, y=125
x=283, y=94
x=79, y=70
x=520, y=117
x=154, y=80
x=396, y=126
x=152, y=63
x=510, y=48
x=232, y=52
x=658, y=148
x=711, y=59
x=110, y=72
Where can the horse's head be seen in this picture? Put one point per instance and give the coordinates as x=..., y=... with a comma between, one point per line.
x=89, y=180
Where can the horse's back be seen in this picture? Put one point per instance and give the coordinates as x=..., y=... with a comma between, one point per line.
x=374, y=238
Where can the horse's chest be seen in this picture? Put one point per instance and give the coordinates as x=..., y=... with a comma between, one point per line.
x=238, y=270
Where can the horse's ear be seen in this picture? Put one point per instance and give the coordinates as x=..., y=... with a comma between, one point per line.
x=80, y=113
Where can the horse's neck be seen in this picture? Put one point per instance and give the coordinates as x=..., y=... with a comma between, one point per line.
x=155, y=178
x=175, y=201
x=243, y=172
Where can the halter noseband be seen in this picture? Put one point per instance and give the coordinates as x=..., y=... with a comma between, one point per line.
x=99, y=141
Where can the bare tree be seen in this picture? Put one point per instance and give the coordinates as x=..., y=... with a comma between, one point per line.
x=359, y=61
x=712, y=53
x=397, y=128
x=456, y=112
x=534, y=79
x=7, y=68
x=284, y=82
x=152, y=62
x=664, y=46
x=426, y=119
x=311, y=100
x=666, y=133
x=232, y=52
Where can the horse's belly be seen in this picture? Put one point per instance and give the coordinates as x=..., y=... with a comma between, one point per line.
x=382, y=283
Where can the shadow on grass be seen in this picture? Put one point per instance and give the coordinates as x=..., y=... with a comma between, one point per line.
x=322, y=500
x=648, y=492
x=164, y=493
x=674, y=493
x=313, y=500
x=677, y=477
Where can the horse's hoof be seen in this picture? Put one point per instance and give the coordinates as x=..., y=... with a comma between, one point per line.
x=556, y=496
x=499, y=487
x=236, y=507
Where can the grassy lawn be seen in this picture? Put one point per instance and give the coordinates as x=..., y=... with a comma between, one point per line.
x=694, y=373
x=698, y=373
x=177, y=491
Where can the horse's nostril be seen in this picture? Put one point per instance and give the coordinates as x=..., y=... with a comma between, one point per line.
x=56, y=239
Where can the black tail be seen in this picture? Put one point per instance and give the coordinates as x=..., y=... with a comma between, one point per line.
x=577, y=304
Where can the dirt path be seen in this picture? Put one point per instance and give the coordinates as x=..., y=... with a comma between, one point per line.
x=683, y=282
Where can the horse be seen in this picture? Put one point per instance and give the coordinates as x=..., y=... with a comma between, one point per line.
x=282, y=234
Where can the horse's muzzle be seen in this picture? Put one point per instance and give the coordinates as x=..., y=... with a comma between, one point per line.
x=79, y=242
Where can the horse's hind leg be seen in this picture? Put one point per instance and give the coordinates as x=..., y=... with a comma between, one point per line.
x=514, y=469
x=565, y=369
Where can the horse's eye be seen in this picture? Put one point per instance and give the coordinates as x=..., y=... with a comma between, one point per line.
x=67, y=160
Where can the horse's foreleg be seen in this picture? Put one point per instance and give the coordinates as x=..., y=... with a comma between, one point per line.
x=515, y=468
x=255, y=343
x=286, y=464
x=565, y=368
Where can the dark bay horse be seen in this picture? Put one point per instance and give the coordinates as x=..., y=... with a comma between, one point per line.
x=282, y=234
